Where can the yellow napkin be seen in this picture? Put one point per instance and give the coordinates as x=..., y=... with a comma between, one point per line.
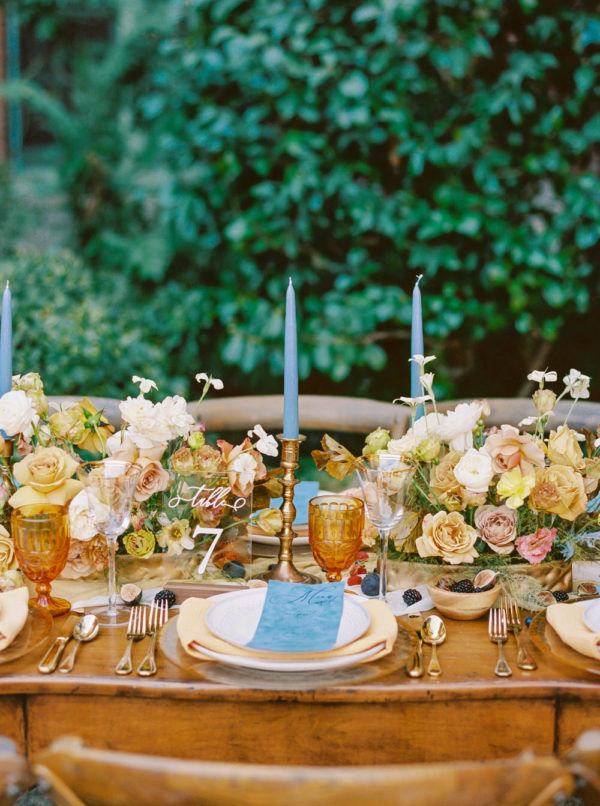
x=13, y=614
x=567, y=620
x=192, y=631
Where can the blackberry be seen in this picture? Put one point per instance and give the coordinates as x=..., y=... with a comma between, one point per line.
x=561, y=596
x=463, y=586
x=165, y=595
x=411, y=596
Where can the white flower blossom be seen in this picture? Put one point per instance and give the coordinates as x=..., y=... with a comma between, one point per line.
x=145, y=384
x=82, y=524
x=242, y=470
x=528, y=421
x=266, y=444
x=457, y=426
x=474, y=471
x=426, y=381
x=424, y=427
x=577, y=384
x=539, y=376
x=413, y=401
x=17, y=414
x=421, y=360
x=216, y=383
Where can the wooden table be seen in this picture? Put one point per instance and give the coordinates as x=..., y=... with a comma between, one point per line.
x=466, y=714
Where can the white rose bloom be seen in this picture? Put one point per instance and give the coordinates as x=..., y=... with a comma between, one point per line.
x=474, y=471
x=458, y=425
x=145, y=421
x=427, y=426
x=82, y=525
x=17, y=414
x=173, y=414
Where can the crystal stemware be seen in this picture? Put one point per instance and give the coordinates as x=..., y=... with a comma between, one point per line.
x=41, y=539
x=335, y=527
x=110, y=485
x=384, y=484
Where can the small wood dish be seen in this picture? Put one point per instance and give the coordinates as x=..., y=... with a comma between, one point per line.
x=463, y=606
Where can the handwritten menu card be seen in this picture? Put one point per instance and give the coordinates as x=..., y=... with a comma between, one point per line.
x=299, y=618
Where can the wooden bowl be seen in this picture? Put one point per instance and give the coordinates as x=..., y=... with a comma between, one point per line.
x=463, y=606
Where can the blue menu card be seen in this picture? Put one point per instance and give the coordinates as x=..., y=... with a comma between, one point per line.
x=299, y=618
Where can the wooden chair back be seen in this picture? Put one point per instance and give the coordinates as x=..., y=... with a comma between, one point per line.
x=105, y=778
x=511, y=410
x=584, y=761
x=316, y=412
x=14, y=775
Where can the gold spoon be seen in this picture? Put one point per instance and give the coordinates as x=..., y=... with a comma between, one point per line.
x=85, y=630
x=434, y=633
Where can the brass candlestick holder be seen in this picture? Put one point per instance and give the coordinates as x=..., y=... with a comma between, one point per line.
x=285, y=570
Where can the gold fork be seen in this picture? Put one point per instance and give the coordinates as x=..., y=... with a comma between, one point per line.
x=524, y=659
x=498, y=632
x=136, y=630
x=159, y=614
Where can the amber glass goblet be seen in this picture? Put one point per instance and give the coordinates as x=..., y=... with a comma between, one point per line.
x=335, y=526
x=41, y=537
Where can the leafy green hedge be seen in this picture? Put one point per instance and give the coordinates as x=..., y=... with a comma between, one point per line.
x=214, y=147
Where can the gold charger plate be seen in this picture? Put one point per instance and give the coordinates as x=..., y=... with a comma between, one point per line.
x=37, y=628
x=546, y=639
x=285, y=681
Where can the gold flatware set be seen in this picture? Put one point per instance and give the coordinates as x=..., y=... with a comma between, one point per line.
x=78, y=628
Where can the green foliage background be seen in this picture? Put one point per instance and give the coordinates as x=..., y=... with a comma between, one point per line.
x=212, y=148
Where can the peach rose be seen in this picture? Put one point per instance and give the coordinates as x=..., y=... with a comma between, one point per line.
x=86, y=557
x=497, y=526
x=509, y=448
x=444, y=485
x=447, y=535
x=559, y=489
x=46, y=478
x=152, y=479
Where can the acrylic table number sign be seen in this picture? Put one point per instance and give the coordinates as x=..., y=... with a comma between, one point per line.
x=219, y=515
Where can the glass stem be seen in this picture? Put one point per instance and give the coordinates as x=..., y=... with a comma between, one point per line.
x=384, y=537
x=112, y=575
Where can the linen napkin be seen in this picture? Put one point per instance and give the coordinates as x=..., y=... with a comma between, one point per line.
x=567, y=620
x=13, y=614
x=194, y=634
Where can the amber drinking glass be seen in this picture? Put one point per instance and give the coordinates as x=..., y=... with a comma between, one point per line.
x=41, y=538
x=335, y=526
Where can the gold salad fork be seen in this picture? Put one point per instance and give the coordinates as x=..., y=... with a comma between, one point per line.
x=136, y=630
x=498, y=632
x=524, y=659
x=159, y=614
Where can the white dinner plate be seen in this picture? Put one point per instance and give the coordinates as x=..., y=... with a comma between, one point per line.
x=314, y=665
x=591, y=615
x=234, y=617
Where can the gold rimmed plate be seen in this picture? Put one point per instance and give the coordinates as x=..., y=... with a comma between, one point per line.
x=36, y=630
x=546, y=639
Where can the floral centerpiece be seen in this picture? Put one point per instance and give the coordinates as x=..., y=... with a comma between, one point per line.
x=492, y=497
x=185, y=482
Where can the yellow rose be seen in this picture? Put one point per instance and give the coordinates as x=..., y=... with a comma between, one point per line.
x=97, y=431
x=139, y=544
x=428, y=449
x=444, y=485
x=7, y=551
x=269, y=521
x=568, y=500
x=46, y=478
x=564, y=448
x=447, y=535
x=68, y=424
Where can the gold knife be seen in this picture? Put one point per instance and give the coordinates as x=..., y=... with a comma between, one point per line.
x=416, y=667
x=52, y=657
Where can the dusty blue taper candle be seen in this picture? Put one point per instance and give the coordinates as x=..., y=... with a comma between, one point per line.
x=290, y=378
x=6, y=342
x=416, y=344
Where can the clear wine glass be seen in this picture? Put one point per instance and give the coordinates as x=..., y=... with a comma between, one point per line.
x=110, y=485
x=384, y=484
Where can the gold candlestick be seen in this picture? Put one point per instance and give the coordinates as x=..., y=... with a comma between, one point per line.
x=285, y=570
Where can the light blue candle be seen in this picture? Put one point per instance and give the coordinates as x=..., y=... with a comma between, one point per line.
x=290, y=382
x=6, y=342
x=416, y=343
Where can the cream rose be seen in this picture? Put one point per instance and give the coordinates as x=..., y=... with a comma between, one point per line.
x=564, y=448
x=145, y=426
x=173, y=414
x=497, y=527
x=7, y=550
x=82, y=525
x=424, y=427
x=474, y=471
x=152, y=479
x=509, y=448
x=447, y=535
x=17, y=414
x=46, y=478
